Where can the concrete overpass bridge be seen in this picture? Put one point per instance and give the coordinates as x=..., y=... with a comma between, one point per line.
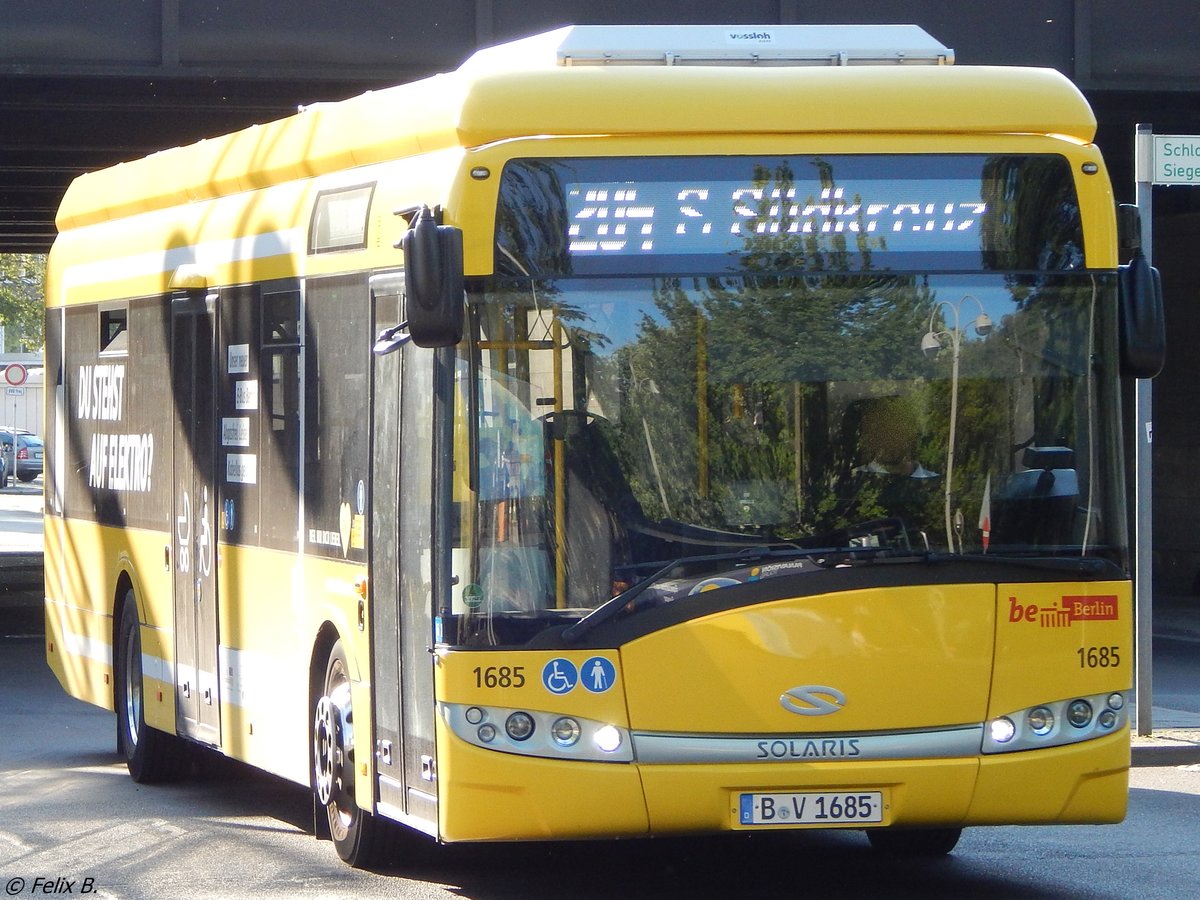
x=87, y=83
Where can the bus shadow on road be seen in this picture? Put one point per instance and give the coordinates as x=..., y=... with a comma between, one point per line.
x=799, y=863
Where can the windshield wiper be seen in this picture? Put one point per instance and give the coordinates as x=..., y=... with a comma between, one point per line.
x=609, y=610
x=1082, y=565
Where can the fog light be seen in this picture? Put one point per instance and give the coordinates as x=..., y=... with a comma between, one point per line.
x=519, y=726
x=1079, y=713
x=1107, y=719
x=1003, y=730
x=1041, y=721
x=474, y=715
x=486, y=732
x=1116, y=701
x=565, y=732
x=608, y=738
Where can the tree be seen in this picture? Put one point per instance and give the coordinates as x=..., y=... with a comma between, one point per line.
x=22, y=280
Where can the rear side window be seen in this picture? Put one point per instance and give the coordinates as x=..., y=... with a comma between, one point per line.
x=114, y=331
x=339, y=220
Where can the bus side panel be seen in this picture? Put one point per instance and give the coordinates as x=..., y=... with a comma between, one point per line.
x=273, y=604
x=81, y=662
x=108, y=462
x=78, y=639
x=79, y=612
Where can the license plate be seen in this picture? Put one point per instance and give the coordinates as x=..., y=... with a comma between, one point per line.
x=812, y=808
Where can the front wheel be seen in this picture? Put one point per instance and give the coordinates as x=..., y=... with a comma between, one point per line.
x=150, y=755
x=359, y=838
x=914, y=841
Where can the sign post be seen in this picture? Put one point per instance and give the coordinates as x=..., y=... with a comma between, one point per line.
x=1145, y=165
x=15, y=375
x=1163, y=159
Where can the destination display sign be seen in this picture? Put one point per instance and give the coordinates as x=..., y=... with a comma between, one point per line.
x=698, y=216
x=853, y=212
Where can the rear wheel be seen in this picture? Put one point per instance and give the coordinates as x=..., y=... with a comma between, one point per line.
x=359, y=838
x=150, y=755
x=914, y=841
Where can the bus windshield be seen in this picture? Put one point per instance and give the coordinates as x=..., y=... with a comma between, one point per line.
x=711, y=428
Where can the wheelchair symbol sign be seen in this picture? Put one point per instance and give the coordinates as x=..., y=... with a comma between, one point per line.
x=559, y=676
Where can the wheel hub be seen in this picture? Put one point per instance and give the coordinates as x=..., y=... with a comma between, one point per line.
x=333, y=746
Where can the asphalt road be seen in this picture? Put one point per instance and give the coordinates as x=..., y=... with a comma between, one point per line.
x=69, y=811
x=70, y=816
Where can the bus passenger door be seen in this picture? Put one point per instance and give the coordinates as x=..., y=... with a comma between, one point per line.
x=399, y=540
x=197, y=701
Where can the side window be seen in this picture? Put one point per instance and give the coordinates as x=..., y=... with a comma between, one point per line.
x=337, y=348
x=339, y=219
x=259, y=364
x=114, y=331
x=280, y=412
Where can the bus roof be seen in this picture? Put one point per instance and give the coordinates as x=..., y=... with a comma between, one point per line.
x=543, y=86
x=731, y=45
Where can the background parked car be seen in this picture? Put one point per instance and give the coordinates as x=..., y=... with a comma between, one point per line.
x=28, y=456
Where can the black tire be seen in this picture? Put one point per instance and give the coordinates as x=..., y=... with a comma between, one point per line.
x=914, y=841
x=360, y=838
x=28, y=477
x=150, y=755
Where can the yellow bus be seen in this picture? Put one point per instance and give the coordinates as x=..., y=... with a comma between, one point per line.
x=635, y=431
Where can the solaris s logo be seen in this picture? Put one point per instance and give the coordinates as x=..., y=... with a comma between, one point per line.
x=812, y=700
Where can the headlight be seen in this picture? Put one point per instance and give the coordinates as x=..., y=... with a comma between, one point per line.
x=530, y=732
x=519, y=726
x=1079, y=713
x=1041, y=721
x=1003, y=730
x=565, y=732
x=608, y=738
x=1036, y=727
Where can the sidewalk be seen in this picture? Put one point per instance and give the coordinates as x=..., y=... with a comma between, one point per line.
x=1175, y=739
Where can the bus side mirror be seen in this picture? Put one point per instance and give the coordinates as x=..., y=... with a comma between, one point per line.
x=1139, y=289
x=1129, y=230
x=433, y=272
x=1142, y=328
